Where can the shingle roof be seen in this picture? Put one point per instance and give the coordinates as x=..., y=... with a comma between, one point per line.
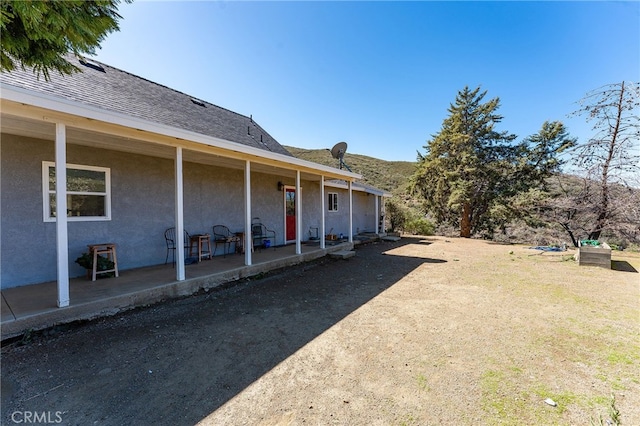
x=111, y=89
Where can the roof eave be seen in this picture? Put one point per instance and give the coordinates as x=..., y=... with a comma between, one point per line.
x=65, y=106
x=358, y=187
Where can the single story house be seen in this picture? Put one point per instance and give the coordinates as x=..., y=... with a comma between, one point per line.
x=127, y=158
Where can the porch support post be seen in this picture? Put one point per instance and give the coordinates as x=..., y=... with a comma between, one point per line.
x=62, y=237
x=298, y=214
x=350, y=212
x=179, y=191
x=248, y=240
x=322, y=243
x=377, y=215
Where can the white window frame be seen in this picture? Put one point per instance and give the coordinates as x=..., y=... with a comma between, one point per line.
x=46, y=192
x=332, y=206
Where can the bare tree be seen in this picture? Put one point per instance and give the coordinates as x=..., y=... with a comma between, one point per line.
x=611, y=157
x=568, y=205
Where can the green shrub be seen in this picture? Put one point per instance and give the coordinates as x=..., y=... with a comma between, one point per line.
x=396, y=215
x=104, y=264
x=419, y=226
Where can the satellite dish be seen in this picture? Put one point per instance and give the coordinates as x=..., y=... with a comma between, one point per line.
x=338, y=151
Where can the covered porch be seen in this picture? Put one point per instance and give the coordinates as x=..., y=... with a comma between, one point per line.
x=34, y=307
x=152, y=177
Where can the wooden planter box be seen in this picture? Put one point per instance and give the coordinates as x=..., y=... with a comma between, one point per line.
x=595, y=256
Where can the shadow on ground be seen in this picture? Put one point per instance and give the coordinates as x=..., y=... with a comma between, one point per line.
x=623, y=266
x=177, y=362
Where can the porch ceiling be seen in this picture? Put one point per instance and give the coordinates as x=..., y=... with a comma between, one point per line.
x=39, y=129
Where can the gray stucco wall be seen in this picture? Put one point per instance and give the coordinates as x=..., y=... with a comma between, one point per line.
x=142, y=197
x=364, y=213
x=337, y=222
x=143, y=203
x=311, y=217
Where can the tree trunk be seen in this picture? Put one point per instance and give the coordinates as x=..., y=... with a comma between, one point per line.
x=595, y=234
x=567, y=228
x=465, y=221
x=603, y=208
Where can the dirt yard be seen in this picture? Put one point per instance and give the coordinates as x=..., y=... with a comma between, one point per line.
x=425, y=331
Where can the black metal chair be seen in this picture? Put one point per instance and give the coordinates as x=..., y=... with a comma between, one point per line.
x=170, y=238
x=262, y=236
x=222, y=235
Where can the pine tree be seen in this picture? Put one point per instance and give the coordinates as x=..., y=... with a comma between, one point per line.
x=460, y=175
x=473, y=176
x=38, y=34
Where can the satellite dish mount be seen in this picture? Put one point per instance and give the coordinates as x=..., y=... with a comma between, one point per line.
x=338, y=151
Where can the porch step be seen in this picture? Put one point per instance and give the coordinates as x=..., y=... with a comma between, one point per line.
x=342, y=254
x=390, y=238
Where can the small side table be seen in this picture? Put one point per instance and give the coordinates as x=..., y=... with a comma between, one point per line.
x=200, y=241
x=109, y=250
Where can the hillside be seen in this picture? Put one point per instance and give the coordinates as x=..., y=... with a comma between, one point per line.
x=392, y=176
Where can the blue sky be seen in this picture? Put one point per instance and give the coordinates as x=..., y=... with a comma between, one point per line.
x=379, y=75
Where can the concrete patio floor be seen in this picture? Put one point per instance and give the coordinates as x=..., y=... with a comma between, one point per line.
x=34, y=307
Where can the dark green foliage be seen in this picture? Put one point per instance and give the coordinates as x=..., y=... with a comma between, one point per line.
x=419, y=226
x=539, y=216
x=86, y=261
x=396, y=215
x=463, y=170
x=473, y=176
x=537, y=155
x=39, y=34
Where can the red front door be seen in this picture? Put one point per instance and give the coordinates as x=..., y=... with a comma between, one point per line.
x=290, y=207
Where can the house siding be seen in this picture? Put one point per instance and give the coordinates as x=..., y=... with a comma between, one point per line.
x=311, y=217
x=142, y=207
x=364, y=212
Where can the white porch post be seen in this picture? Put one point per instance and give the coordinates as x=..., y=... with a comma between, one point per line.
x=377, y=215
x=350, y=213
x=62, y=237
x=248, y=240
x=322, y=244
x=298, y=214
x=179, y=191
x=383, y=209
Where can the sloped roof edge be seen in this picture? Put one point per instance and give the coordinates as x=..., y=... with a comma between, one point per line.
x=357, y=186
x=65, y=106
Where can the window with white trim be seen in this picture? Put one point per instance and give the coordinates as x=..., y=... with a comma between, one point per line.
x=88, y=192
x=333, y=202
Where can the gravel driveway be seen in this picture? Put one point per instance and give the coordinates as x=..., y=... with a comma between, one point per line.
x=420, y=331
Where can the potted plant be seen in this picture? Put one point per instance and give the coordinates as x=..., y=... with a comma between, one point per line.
x=104, y=264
